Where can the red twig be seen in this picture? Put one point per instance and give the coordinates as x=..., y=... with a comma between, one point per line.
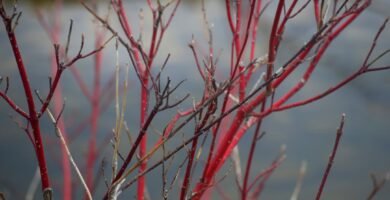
x=331, y=157
x=33, y=115
x=229, y=15
x=278, y=106
x=255, y=25
x=236, y=130
x=273, y=41
x=62, y=66
x=143, y=69
x=54, y=34
x=80, y=82
x=244, y=191
x=95, y=110
x=187, y=177
x=266, y=174
x=317, y=12
x=13, y=105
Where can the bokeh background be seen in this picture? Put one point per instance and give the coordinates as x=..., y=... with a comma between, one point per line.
x=308, y=132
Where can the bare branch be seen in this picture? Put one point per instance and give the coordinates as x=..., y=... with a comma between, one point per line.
x=377, y=185
x=331, y=157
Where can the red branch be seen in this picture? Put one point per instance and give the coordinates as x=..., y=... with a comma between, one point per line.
x=33, y=115
x=13, y=105
x=331, y=157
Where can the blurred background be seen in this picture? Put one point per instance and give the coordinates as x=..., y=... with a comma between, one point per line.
x=308, y=132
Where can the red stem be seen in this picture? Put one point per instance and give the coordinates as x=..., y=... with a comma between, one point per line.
x=58, y=104
x=133, y=149
x=229, y=15
x=156, y=20
x=144, y=71
x=232, y=137
x=306, y=76
x=254, y=30
x=142, y=146
x=13, y=105
x=227, y=100
x=317, y=13
x=273, y=41
x=244, y=191
x=228, y=143
x=331, y=158
x=95, y=111
x=144, y=109
x=282, y=25
x=144, y=97
x=238, y=25
x=186, y=182
x=80, y=82
x=33, y=115
x=278, y=105
x=129, y=34
x=235, y=133
x=187, y=176
x=53, y=87
x=57, y=101
x=265, y=176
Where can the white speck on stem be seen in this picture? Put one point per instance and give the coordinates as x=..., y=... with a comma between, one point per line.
x=279, y=71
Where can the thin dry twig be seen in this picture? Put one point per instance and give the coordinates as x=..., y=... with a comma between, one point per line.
x=59, y=133
x=235, y=156
x=64, y=143
x=377, y=185
x=298, y=186
x=33, y=187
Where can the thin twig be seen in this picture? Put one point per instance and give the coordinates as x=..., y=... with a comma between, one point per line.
x=298, y=186
x=331, y=157
x=59, y=133
x=377, y=185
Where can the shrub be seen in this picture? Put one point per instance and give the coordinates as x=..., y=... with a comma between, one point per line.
x=230, y=106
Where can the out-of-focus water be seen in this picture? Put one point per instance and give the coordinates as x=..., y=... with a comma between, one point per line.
x=308, y=132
